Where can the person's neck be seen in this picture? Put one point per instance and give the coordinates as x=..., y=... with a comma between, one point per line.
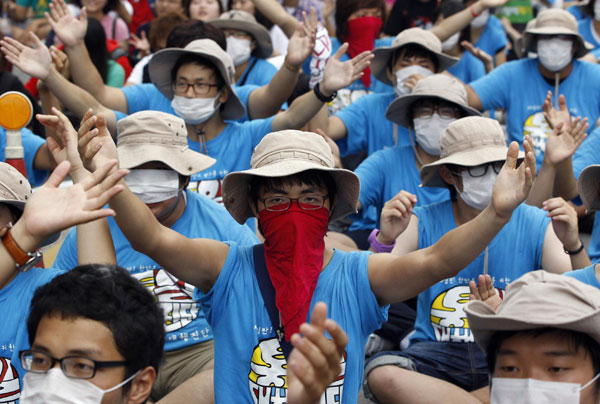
x=463, y=213
x=98, y=15
x=239, y=70
x=327, y=256
x=596, y=26
x=210, y=128
x=177, y=212
x=424, y=157
x=562, y=74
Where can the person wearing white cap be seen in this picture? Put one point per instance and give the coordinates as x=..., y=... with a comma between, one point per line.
x=473, y=151
x=520, y=87
x=295, y=191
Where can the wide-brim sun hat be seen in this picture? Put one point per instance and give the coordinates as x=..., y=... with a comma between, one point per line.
x=415, y=36
x=285, y=153
x=438, y=86
x=15, y=190
x=589, y=187
x=162, y=63
x=242, y=21
x=555, y=21
x=538, y=299
x=467, y=142
x=157, y=136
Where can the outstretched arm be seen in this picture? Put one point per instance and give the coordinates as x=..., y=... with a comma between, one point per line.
x=461, y=19
x=277, y=15
x=395, y=279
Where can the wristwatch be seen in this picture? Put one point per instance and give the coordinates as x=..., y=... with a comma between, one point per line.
x=322, y=97
x=24, y=260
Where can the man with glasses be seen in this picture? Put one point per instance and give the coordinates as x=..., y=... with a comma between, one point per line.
x=473, y=151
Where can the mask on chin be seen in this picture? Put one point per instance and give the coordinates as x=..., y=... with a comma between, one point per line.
x=195, y=110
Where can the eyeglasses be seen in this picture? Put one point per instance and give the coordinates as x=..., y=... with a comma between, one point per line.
x=283, y=203
x=200, y=87
x=426, y=110
x=77, y=367
x=481, y=170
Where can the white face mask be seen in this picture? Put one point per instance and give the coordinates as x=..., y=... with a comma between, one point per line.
x=239, y=49
x=54, y=387
x=531, y=391
x=450, y=42
x=481, y=19
x=153, y=186
x=195, y=110
x=554, y=53
x=477, y=191
x=597, y=10
x=405, y=73
x=429, y=130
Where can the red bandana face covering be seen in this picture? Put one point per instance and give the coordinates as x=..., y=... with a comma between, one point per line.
x=361, y=36
x=294, y=249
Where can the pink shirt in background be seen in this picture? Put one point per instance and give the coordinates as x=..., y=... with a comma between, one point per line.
x=119, y=27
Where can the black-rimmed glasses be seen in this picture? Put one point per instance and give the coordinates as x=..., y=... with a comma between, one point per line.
x=77, y=367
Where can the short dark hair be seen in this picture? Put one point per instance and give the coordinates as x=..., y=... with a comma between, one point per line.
x=413, y=50
x=110, y=295
x=188, y=3
x=191, y=30
x=199, y=60
x=576, y=340
x=162, y=26
x=345, y=8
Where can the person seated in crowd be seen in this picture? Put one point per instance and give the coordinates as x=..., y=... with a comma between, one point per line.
x=294, y=190
x=249, y=45
x=203, y=10
x=486, y=33
x=153, y=146
x=472, y=154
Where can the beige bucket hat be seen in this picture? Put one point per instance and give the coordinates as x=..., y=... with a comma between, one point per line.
x=162, y=63
x=15, y=190
x=284, y=153
x=157, y=136
x=556, y=21
x=416, y=36
x=242, y=21
x=589, y=187
x=467, y=142
x=538, y=299
x=438, y=86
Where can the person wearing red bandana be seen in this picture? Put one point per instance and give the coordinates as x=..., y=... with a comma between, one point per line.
x=256, y=297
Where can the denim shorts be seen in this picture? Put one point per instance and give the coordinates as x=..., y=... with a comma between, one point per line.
x=462, y=364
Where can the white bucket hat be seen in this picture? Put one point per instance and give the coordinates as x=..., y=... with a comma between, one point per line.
x=242, y=21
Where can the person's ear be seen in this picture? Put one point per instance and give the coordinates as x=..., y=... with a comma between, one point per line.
x=224, y=95
x=141, y=386
x=390, y=75
x=447, y=175
x=184, y=181
x=252, y=45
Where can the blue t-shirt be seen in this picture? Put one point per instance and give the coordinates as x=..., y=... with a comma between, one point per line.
x=385, y=173
x=576, y=12
x=516, y=250
x=519, y=87
x=185, y=322
x=248, y=366
x=15, y=299
x=368, y=129
x=468, y=68
x=585, y=275
x=259, y=72
x=493, y=38
x=143, y=97
x=31, y=145
x=585, y=28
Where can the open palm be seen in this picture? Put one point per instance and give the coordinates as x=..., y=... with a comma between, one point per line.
x=35, y=61
x=70, y=30
x=338, y=74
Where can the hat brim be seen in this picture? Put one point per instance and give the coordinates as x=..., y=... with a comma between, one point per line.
x=264, y=46
x=430, y=176
x=160, y=68
x=181, y=159
x=382, y=56
x=236, y=187
x=583, y=47
x=589, y=187
x=484, y=322
x=398, y=110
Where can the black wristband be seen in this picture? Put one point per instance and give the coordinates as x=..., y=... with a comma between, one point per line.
x=322, y=96
x=574, y=252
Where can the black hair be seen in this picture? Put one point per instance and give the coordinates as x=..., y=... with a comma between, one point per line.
x=199, y=60
x=110, y=295
x=15, y=213
x=413, y=50
x=95, y=42
x=161, y=27
x=345, y=8
x=191, y=30
x=109, y=6
x=576, y=340
x=187, y=3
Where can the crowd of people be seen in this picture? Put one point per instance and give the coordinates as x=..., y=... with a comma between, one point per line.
x=301, y=201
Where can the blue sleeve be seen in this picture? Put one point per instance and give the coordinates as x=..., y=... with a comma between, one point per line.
x=492, y=89
x=588, y=153
x=118, y=114
x=31, y=145
x=258, y=128
x=355, y=116
x=243, y=93
x=66, y=258
x=137, y=98
x=585, y=275
x=371, y=173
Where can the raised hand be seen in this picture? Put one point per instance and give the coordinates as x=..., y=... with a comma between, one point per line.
x=485, y=58
x=60, y=60
x=562, y=143
x=484, y=290
x=141, y=44
x=338, y=74
x=302, y=42
x=395, y=216
x=554, y=116
x=70, y=30
x=315, y=360
x=493, y=3
x=35, y=61
x=96, y=146
x=564, y=222
x=514, y=183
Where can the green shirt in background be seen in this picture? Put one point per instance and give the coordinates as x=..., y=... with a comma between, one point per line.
x=517, y=11
x=39, y=7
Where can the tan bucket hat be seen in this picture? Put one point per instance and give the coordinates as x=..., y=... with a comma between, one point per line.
x=556, y=21
x=438, y=86
x=157, y=136
x=416, y=36
x=15, y=190
x=589, y=187
x=162, y=63
x=242, y=21
x=538, y=299
x=284, y=153
x=467, y=142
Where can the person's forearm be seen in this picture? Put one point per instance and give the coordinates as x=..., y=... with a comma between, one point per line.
x=457, y=22
x=299, y=113
x=542, y=185
x=26, y=241
x=580, y=260
x=565, y=184
x=277, y=15
x=266, y=101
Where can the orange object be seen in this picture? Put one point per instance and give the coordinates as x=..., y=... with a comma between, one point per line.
x=15, y=110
